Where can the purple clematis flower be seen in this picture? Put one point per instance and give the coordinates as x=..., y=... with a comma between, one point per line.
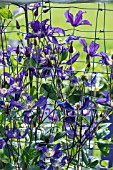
x=105, y=59
x=54, y=153
x=92, y=50
x=15, y=132
x=77, y=20
x=42, y=29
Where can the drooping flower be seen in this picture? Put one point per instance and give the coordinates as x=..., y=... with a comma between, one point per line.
x=77, y=20
x=105, y=59
x=92, y=50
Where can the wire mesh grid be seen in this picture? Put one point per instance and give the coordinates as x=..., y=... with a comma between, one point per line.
x=41, y=73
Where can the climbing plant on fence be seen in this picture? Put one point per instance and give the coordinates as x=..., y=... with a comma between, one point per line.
x=51, y=112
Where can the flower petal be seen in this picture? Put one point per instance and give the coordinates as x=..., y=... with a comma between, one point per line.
x=93, y=48
x=65, y=105
x=73, y=59
x=69, y=17
x=85, y=104
x=83, y=42
x=41, y=101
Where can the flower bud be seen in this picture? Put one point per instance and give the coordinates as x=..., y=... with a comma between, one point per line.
x=17, y=25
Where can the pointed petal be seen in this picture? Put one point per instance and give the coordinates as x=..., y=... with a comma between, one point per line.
x=65, y=105
x=85, y=22
x=93, y=48
x=101, y=100
x=73, y=59
x=59, y=30
x=83, y=42
x=57, y=146
x=42, y=101
x=69, y=17
x=78, y=18
x=85, y=104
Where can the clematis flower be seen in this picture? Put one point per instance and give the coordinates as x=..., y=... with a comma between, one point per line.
x=77, y=20
x=92, y=50
x=42, y=29
x=15, y=132
x=54, y=153
x=105, y=59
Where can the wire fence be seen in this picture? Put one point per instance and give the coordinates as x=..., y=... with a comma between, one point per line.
x=13, y=33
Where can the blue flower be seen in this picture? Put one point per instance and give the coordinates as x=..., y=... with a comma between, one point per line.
x=92, y=50
x=15, y=132
x=77, y=20
x=105, y=59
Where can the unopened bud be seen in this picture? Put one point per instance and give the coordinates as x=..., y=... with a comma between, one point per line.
x=17, y=50
x=71, y=48
x=17, y=25
x=36, y=12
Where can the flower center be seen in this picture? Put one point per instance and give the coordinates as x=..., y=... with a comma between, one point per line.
x=29, y=106
x=15, y=84
x=77, y=106
x=3, y=90
x=50, y=153
x=58, y=167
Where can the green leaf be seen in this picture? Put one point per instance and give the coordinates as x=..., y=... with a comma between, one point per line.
x=49, y=91
x=32, y=62
x=101, y=133
x=93, y=161
x=33, y=91
x=84, y=157
x=9, y=166
x=9, y=150
x=63, y=56
x=59, y=135
x=5, y=13
x=13, y=62
x=104, y=147
x=34, y=167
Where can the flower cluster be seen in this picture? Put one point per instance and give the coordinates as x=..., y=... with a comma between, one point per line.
x=50, y=111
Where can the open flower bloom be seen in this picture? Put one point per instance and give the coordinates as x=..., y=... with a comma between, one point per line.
x=42, y=29
x=54, y=153
x=15, y=132
x=77, y=20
